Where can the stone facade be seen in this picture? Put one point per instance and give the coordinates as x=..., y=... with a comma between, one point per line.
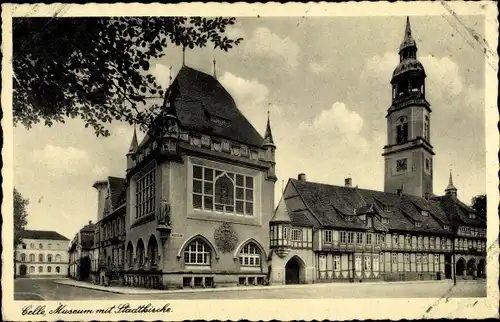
x=42, y=254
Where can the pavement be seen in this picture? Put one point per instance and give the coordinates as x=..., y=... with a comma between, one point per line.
x=65, y=289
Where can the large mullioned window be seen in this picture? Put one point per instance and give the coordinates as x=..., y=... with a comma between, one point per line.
x=145, y=194
x=222, y=191
x=197, y=253
x=250, y=255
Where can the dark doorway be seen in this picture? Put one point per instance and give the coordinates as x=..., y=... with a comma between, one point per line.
x=460, y=267
x=471, y=267
x=294, y=271
x=22, y=270
x=85, y=268
x=481, y=268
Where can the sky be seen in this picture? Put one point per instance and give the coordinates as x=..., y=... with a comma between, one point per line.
x=327, y=82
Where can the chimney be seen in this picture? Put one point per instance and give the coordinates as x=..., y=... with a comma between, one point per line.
x=302, y=177
x=348, y=182
x=90, y=222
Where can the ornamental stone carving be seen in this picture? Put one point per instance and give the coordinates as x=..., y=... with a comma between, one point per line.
x=226, y=238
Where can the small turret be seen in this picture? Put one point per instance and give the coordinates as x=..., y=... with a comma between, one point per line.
x=270, y=149
x=451, y=190
x=131, y=151
x=280, y=226
x=168, y=123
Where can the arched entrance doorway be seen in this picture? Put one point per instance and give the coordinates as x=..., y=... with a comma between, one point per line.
x=22, y=270
x=460, y=267
x=295, y=271
x=471, y=267
x=481, y=272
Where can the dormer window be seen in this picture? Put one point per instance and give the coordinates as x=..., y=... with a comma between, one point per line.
x=219, y=121
x=446, y=227
x=348, y=218
x=425, y=213
x=472, y=215
x=385, y=220
x=418, y=224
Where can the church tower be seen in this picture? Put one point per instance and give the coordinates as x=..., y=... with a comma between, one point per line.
x=408, y=153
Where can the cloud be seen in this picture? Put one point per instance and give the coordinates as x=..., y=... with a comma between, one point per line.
x=162, y=73
x=264, y=42
x=338, y=119
x=63, y=161
x=251, y=97
x=317, y=67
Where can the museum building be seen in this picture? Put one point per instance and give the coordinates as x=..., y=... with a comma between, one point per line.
x=199, y=193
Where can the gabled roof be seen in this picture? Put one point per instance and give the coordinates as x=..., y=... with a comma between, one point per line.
x=329, y=204
x=281, y=213
x=117, y=188
x=42, y=234
x=201, y=97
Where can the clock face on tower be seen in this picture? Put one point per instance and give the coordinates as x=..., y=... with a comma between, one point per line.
x=401, y=165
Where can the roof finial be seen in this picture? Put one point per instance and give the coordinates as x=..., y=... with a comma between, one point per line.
x=134, y=144
x=451, y=189
x=408, y=27
x=215, y=71
x=268, y=136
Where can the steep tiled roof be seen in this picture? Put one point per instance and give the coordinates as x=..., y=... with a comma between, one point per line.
x=201, y=97
x=460, y=211
x=117, y=187
x=330, y=204
x=300, y=219
x=42, y=234
x=89, y=227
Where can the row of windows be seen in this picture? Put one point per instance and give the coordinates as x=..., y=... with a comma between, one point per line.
x=349, y=237
x=295, y=235
x=112, y=229
x=419, y=258
x=41, y=258
x=222, y=191
x=40, y=269
x=40, y=246
x=472, y=231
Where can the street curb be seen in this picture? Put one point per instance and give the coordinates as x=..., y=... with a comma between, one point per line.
x=136, y=291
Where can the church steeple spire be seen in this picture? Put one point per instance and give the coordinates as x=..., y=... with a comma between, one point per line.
x=451, y=190
x=408, y=48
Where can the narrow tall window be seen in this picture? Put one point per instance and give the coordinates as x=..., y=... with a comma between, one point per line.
x=49, y=258
x=328, y=236
x=145, y=195
x=40, y=257
x=402, y=130
x=426, y=128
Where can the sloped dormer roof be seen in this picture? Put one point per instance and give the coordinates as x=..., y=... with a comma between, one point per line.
x=329, y=204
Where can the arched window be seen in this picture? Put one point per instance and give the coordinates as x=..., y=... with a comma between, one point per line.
x=58, y=258
x=197, y=253
x=130, y=254
x=140, y=252
x=32, y=269
x=224, y=194
x=23, y=257
x=152, y=250
x=40, y=257
x=49, y=269
x=58, y=270
x=402, y=130
x=58, y=246
x=32, y=257
x=250, y=255
x=40, y=269
x=426, y=128
x=40, y=246
x=49, y=258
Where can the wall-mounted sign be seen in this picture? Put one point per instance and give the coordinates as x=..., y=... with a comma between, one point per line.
x=177, y=235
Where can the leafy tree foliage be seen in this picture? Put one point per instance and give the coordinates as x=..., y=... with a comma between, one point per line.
x=98, y=69
x=20, y=216
x=479, y=204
